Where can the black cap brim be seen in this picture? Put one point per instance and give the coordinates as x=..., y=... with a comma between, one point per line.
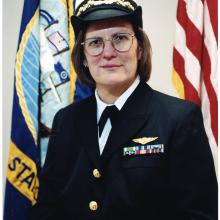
x=80, y=23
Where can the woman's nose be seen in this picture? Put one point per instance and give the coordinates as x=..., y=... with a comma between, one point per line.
x=108, y=50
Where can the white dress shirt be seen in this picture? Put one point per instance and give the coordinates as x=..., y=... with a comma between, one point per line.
x=119, y=104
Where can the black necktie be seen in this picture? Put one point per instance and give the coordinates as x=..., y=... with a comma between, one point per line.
x=109, y=112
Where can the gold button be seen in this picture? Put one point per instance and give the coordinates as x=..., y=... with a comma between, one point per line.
x=93, y=205
x=96, y=173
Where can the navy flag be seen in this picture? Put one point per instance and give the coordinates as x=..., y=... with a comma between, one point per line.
x=45, y=81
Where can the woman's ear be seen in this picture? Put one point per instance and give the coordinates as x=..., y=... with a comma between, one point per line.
x=85, y=64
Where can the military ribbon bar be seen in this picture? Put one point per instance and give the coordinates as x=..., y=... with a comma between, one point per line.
x=143, y=149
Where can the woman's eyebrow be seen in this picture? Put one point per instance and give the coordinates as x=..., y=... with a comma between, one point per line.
x=110, y=35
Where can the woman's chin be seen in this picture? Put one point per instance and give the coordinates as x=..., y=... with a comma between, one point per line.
x=115, y=83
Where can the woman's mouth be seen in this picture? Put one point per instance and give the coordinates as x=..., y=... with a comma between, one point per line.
x=111, y=66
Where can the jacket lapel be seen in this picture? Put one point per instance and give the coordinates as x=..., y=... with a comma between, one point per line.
x=87, y=121
x=132, y=117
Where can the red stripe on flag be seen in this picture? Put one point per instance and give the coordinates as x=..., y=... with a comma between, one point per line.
x=181, y=13
x=189, y=90
x=194, y=39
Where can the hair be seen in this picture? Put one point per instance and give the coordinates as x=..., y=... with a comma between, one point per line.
x=143, y=66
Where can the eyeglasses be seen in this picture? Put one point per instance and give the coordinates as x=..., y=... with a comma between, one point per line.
x=121, y=42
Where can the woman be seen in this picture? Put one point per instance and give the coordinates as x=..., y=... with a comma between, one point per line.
x=128, y=152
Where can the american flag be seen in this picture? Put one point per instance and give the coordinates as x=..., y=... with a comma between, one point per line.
x=195, y=61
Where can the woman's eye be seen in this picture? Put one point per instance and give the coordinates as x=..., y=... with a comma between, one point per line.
x=95, y=43
x=120, y=38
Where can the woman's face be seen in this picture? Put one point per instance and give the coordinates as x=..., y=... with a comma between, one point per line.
x=111, y=68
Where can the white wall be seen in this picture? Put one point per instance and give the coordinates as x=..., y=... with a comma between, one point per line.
x=159, y=23
x=12, y=10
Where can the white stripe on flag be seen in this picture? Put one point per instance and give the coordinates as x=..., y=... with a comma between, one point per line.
x=192, y=69
x=195, y=13
x=211, y=46
x=180, y=40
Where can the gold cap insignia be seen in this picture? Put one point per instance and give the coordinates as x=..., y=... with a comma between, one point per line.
x=90, y=3
x=144, y=140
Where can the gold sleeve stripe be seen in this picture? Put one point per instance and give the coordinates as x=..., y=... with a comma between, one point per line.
x=178, y=84
x=22, y=173
x=18, y=82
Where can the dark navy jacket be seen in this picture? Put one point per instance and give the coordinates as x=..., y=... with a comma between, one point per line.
x=177, y=184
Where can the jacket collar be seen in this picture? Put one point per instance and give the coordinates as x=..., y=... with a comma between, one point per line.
x=133, y=116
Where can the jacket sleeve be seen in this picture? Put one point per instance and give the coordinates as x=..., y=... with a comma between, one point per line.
x=193, y=183
x=49, y=190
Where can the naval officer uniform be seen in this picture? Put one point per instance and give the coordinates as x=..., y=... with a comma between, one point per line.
x=153, y=162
